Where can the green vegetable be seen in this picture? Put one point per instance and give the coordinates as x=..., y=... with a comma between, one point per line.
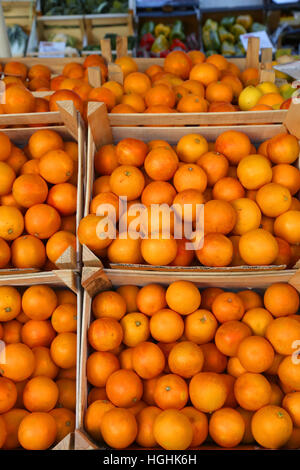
x=225, y=35
x=227, y=21
x=228, y=48
x=162, y=29
x=70, y=41
x=17, y=40
x=177, y=31
x=210, y=52
x=237, y=30
x=258, y=27
x=210, y=24
x=239, y=49
x=160, y=44
x=281, y=52
x=147, y=28
x=245, y=20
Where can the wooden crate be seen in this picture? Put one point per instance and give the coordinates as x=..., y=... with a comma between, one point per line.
x=19, y=12
x=57, y=279
x=68, y=123
x=97, y=26
x=95, y=281
x=105, y=134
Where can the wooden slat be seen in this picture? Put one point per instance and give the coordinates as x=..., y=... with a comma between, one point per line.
x=252, y=55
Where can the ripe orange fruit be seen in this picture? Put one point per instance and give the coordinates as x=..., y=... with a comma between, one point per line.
x=100, y=365
x=207, y=391
x=281, y=299
x=287, y=226
x=289, y=374
x=10, y=303
x=135, y=328
x=145, y=420
x=190, y=147
x=126, y=251
x=56, y=166
x=171, y=391
x=159, y=252
x=104, y=95
x=273, y=199
x=158, y=192
x=28, y=251
x=64, y=318
x=127, y=180
x=252, y=391
x=8, y=394
x=67, y=393
x=248, y=215
x=29, y=190
x=151, y=298
x=199, y=424
x=200, y=326
x=288, y=176
x=217, y=250
x=94, y=415
x=43, y=141
x=234, y=145
x=190, y=176
x=65, y=422
x=106, y=160
x=12, y=420
x=282, y=333
x=250, y=76
x=44, y=365
x=63, y=197
x=215, y=166
x=205, y=73
x=65, y=95
x=258, y=320
x=184, y=256
x=160, y=95
x=109, y=304
x=173, y=430
x=37, y=333
x=178, y=63
x=214, y=360
x=185, y=359
x=254, y=171
x=283, y=148
x=59, y=243
x=227, y=427
x=19, y=362
x=258, y=247
x=228, y=189
x=63, y=350
x=16, y=159
x=7, y=178
x=229, y=336
x=39, y=302
x=105, y=334
x=42, y=221
x=131, y=152
x=118, y=428
x=137, y=82
x=124, y=388
x=18, y=100
x=40, y=394
x=192, y=104
x=11, y=331
x=271, y=426
x=250, y=299
x=166, y=326
x=37, y=431
x=183, y=297
x=161, y=164
x=291, y=403
x=219, y=217
x=219, y=92
x=255, y=354
x=148, y=360
x=228, y=307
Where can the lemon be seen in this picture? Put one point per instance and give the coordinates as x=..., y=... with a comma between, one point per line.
x=286, y=91
x=249, y=97
x=267, y=87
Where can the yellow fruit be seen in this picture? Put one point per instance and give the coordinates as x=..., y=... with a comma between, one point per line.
x=267, y=87
x=249, y=97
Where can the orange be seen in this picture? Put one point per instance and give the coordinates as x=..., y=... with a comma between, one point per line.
x=171, y=391
x=205, y=73
x=153, y=69
x=63, y=350
x=16, y=68
x=252, y=391
x=161, y=251
x=214, y=360
x=288, y=373
x=37, y=431
x=127, y=64
x=10, y=303
x=192, y=104
x=287, y=226
x=185, y=359
x=215, y=166
x=187, y=205
x=194, y=87
x=161, y=164
x=101, y=185
x=148, y=360
x=200, y=326
x=273, y=370
x=276, y=395
x=288, y=176
x=190, y=176
x=96, y=393
x=39, y=71
x=135, y=328
x=250, y=76
x=109, y=304
x=115, y=88
x=273, y=199
x=191, y=147
x=67, y=393
x=218, y=91
x=178, y=63
x=281, y=299
x=151, y=298
x=124, y=388
x=291, y=403
x=127, y=180
x=126, y=251
x=56, y=166
x=11, y=331
x=271, y=426
x=131, y=152
x=184, y=256
x=65, y=422
x=228, y=307
x=42, y=221
x=145, y=420
x=217, y=250
x=118, y=428
x=40, y=394
x=64, y=318
x=30, y=167
x=227, y=427
x=234, y=82
x=158, y=192
x=248, y=215
x=135, y=102
x=7, y=178
x=37, y=333
x=8, y=394
x=199, y=424
x=197, y=57
x=283, y=148
x=39, y=302
x=221, y=107
x=105, y=334
x=12, y=420
x=94, y=415
x=104, y=95
x=137, y=82
x=160, y=95
x=234, y=145
x=28, y=251
x=19, y=362
x=106, y=160
x=294, y=440
x=59, y=243
x=166, y=326
x=18, y=100
x=282, y=333
x=255, y=354
x=88, y=235
x=207, y=391
x=44, y=365
x=228, y=189
x=230, y=335
x=16, y=159
x=183, y=297
x=63, y=197
x=258, y=247
x=218, y=60
x=258, y=319
x=29, y=190
x=43, y=141
x=100, y=365
x=65, y=95
x=219, y=217
x=251, y=299
x=235, y=368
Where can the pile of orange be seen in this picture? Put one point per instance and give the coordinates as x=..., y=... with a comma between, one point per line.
x=37, y=366
x=38, y=196
x=173, y=367
x=251, y=210
x=186, y=83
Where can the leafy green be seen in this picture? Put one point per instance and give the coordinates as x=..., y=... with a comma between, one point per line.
x=80, y=7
